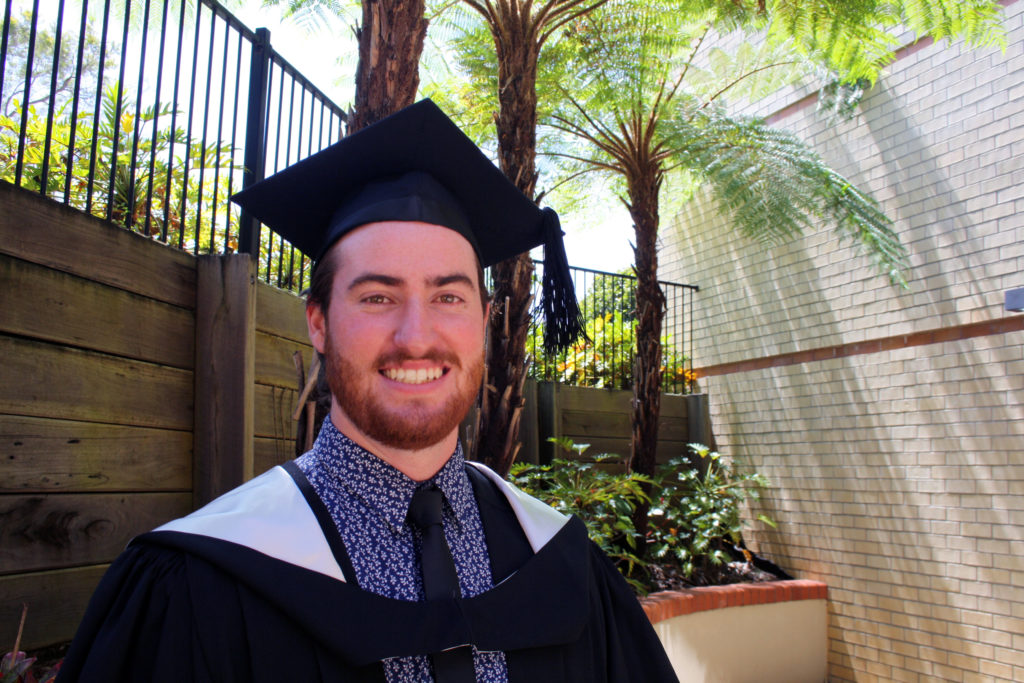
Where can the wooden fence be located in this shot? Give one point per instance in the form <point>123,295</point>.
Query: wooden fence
<point>139,381</point>
<point>112,420</point>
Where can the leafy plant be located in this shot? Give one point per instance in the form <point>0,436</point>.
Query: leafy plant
<point>170,190</point>
<point>598,491</point>
<point>695,511</point>
<point>16,666</point>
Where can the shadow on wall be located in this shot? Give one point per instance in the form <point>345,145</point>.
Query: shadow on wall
<point>884,484</point>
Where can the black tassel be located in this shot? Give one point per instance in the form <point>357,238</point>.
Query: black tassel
<point>563,321</point>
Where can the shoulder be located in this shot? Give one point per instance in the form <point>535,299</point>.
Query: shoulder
<point>270,514</point>
<point>540,522</point>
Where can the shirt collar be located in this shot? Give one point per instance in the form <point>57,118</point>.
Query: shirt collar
<point>384,489</point>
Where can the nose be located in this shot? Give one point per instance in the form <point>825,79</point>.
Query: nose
<point>413,331</point>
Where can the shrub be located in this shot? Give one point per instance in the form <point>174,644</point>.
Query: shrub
<point>695,512</point>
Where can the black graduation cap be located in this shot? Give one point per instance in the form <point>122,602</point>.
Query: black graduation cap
<point>417,165</point>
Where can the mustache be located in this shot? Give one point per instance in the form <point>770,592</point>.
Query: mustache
<point>436,355</point>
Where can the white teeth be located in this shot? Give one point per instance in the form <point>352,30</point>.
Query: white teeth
<point>418,376</point>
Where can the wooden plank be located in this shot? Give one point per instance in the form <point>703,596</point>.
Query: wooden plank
<point>54,306</point>
<point>590,423</point>
<point>274,364</point>
<point>56,602</point>
<point>610,400</point>
<point>43,231</point>
<point>529,436</point>
<point>55,531</point>
<point>281,313</point>
<point>225,372</point>
<point>271,452</point>
<point>273,412</point>
<point>44,455</point>
<point>43,380</point>
<point>620,446</point>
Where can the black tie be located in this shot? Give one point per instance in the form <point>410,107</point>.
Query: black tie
<point>440,582</point>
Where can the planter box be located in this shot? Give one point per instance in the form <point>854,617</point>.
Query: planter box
<point>756,632</point>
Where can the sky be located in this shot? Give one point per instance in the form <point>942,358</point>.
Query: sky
<point>599,240</point>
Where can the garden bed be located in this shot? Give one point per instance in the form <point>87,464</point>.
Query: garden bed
<point>758,632</point>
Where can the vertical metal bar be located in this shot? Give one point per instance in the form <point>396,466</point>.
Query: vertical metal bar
<point>136,131</point>
<point>277,167</point>
<point>234,138</point>
<point>117,113</point>
<point>288,162</point>
<point>153,144</point>
<point>188,132</point>
<point>266,147</point>
<point>693,293</point>
<point>44,172</point>
<point>69,170</point>
<point>29,58</point>
<point>4,38</point>
<point>202,139</point>
<point>98,107</point>
<point>255,141</point>
<point>168,199</point>
<point>220,134</point>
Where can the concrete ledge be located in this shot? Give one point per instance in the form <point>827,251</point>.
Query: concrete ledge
<point>756,632</point>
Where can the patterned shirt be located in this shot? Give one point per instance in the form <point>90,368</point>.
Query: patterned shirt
<point>368,500</point>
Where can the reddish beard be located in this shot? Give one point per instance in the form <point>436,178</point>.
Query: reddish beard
<point>414,425</point>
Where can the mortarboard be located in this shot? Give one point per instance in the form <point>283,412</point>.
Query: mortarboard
<point>417,165</point>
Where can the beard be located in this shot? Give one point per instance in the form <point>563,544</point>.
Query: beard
<point>415,424</point>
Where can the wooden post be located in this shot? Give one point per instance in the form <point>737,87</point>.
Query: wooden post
<point>225,373</point>
<point>549,421</point>
<point>699,418</point>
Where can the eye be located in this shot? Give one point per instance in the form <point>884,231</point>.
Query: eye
<point>374,299</point>
<point>449,299</point>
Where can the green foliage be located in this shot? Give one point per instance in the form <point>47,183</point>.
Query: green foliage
<point>856,38</point>
<point>775,187</point>
<point>603,496</point>
<point>161,195</point>
<point>695,512</point>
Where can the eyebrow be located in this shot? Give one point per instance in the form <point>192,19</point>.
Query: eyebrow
<point>392,281</point>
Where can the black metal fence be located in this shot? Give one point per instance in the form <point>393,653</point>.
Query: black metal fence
<point>152,113</point>
<point>608,303</point>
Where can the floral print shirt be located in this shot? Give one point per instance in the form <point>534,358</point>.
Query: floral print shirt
<point>368,500</point>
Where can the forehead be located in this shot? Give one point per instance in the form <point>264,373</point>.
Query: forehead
<point>404,249</point>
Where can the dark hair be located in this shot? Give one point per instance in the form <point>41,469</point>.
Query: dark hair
<point>322,281</point>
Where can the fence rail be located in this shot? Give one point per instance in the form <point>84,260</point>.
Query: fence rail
<point>608,303</point>
<point>152,113</point>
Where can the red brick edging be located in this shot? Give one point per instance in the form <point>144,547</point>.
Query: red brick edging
<point>667,604</point>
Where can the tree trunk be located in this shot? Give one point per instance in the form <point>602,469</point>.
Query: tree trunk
<point>390,43</point>
<point>650,311</point>
<point>496,442</point>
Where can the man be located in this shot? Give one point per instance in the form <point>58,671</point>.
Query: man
<point>381,554</point>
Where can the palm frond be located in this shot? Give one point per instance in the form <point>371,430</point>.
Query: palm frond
<point>775,187</point>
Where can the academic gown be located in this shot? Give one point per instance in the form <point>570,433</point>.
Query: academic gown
<point>257,586</point>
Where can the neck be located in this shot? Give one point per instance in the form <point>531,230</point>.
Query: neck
<point>419,464</point>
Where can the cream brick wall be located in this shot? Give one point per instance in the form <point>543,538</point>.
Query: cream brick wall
<point>898,476</point>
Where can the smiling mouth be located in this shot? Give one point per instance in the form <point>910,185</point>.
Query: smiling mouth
<point>417,376</point>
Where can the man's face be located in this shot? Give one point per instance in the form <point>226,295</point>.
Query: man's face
<point>403,337</point>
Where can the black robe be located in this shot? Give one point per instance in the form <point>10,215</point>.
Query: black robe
<point>193,602</point>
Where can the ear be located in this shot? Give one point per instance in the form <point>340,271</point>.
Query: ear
<point>316,323</point>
